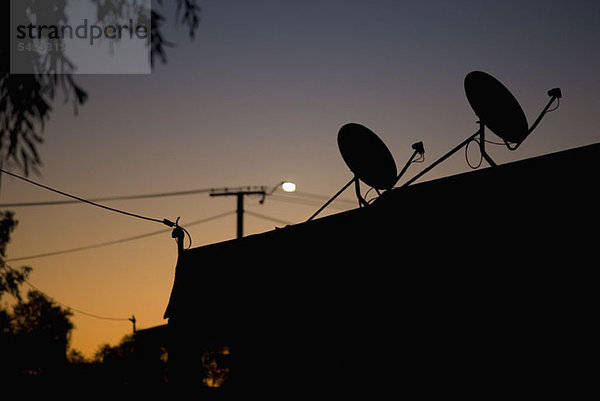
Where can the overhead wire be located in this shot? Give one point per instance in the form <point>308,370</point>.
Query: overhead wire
<point>303,194</point>
<point>80,311</point>
<point>94,202</point>
<point>89,202</point>
<point>297,197</point>
<point>111,198</point>
<point>83,312</point>
<point>304,198</point>
<point>117,241</point>
<point>269,218</point>
<point>302,201</point>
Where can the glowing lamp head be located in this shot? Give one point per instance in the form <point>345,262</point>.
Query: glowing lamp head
<point>288,186</point>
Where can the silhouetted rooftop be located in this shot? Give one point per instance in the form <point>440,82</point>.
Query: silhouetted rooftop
<point>493,251</point>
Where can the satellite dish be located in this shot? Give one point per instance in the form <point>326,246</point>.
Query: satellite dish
<point>370,160</point>
<point>496,107</point>
<point>498,110</point>
<point>367,156</point>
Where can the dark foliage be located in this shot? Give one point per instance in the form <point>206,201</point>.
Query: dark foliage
<point>10,278</point>
<point>34,340</point>
<point>26,100</point>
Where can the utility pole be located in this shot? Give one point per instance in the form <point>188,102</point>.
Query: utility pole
<point>132,320</point>
<point>240,193</point>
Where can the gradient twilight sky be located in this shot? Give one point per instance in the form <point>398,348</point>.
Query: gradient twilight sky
<point>258,97</point>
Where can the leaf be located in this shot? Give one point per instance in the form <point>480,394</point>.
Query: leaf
<point>33,149</point>
<point>25,159</point>
<point>81,94</point>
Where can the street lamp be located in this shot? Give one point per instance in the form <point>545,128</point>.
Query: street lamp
<point>287,186</point>
<point>239,193</point>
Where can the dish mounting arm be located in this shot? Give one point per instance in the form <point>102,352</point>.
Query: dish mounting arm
<point>555,94</point>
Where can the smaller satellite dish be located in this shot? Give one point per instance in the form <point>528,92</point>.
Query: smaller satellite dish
<point>367,156</point>
<point>496,107</point>
<point>370,160</point>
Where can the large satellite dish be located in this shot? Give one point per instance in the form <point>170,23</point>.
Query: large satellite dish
<point>498,110</point>
<point>370,160</point>
<point>496,107</point>
<point>367,156</point>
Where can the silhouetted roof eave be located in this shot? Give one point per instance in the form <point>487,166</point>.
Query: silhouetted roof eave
<point>561,181</point>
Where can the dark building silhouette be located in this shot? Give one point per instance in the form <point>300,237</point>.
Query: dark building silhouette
<point>151,355</point>
<point>478,283</point>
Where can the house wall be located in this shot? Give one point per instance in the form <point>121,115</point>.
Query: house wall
<point>477,281</point>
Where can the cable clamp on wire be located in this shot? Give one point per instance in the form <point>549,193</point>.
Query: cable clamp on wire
<point>179,232</point>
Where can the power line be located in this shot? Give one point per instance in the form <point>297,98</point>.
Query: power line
<point>304,199</point>
<point>305,202</point>
<point>321,197</point>
<point>111,198</point>
<point>115,242</point>
<point>163,221</point>
<point>297,195</point>
<point>269,218</point>
<point>93,315</point>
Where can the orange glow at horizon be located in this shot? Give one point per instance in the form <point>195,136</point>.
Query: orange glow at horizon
<point>258,97</point>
